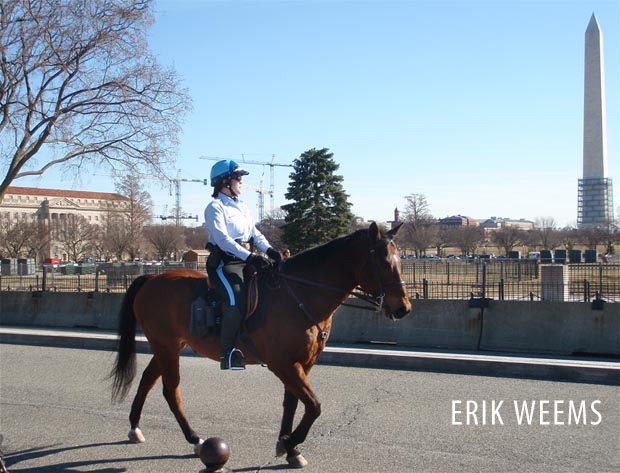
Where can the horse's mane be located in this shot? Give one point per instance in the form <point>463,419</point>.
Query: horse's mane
<point>324,251</point>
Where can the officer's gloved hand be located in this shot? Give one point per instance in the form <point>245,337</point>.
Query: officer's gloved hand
<point>275,255</point>
<point>259,262</point>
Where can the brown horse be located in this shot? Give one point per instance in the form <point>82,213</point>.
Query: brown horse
<point>288,338</point>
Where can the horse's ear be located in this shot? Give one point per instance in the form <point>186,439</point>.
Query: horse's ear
<point>394,230</point>
<point>374,233</point>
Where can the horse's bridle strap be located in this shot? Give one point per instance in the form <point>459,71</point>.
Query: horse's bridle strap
<point>365,297</point>
<point>376,301</point>
<point>305,311</point>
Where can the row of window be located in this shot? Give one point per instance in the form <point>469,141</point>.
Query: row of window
<point>24,215</point>
<point>18,198</point>
<point>35,199</point>
<point>32,216</point>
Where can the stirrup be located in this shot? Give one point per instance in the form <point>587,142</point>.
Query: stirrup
<point>233,361</point>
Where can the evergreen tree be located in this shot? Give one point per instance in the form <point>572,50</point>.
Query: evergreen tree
<point>319,211</point>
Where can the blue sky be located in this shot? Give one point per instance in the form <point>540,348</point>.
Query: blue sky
<point>476,105</point>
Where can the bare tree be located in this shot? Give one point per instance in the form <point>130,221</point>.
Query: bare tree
<point>570,236</point>
<point>467,238</point>
<point>14,237</point>
<point>38,244</point>
<point>135,214</point>
<point>547,233</point>
<point>195,237</point>
<point>417,211</point>
<point>116,237</point>
<point>419,228</point>
<point>164,238</point>
<point>442,237</point>
<point>272,227</point>
<point>114,234</point>
<point>98,244</point>
<point>508,237</point>
<point>426,236</point>
<point>594,236</point>
<point>74,234</point>
<point>79,82</point>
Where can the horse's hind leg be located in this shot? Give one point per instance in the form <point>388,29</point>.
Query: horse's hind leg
<point>170,370</point>
<point>149,377</point>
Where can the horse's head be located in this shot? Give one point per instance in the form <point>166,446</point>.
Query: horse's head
<point>381,275</point>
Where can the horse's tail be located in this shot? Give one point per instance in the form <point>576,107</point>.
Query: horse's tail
<point>124,370</point>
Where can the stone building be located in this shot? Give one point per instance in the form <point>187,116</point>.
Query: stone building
<point>457,221</point>
<point>495,223</point>
<point>53,207</point>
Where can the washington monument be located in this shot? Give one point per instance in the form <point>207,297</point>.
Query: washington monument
<point>595,202</point>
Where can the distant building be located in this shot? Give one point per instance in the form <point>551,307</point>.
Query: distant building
<point>357,220</point>
<point>53,207</point>
<point>396,220</point>
<point>457,221</point>
<point>495,223</point>
<point>196,256</point>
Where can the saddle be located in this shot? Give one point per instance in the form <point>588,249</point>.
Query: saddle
<point>206,307</point>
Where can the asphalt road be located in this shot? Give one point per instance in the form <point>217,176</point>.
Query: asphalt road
<point>56,416</point>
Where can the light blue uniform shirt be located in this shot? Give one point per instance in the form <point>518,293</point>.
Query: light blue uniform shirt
<point>227,220</point>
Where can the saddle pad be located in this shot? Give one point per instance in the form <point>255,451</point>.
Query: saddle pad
<point>202,310</point>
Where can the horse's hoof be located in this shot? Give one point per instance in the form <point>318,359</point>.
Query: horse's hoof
<point>135,436</point>
<point>197,446</point>
<point>280,448</point>
<point>297,461</point>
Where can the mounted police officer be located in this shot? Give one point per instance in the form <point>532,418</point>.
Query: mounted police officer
<point>232,239</point>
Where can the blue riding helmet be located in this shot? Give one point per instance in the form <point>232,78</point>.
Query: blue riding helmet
<point>226,168</point>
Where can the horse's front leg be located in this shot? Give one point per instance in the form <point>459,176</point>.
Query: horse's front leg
<point>288,415</point>
<point>296,384</point>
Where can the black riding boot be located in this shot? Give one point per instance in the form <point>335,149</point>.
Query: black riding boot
<point>231,357</point>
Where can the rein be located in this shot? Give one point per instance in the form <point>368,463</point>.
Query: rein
<point>375,301</point>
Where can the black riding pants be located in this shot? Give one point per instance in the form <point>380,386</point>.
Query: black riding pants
<point>229,282</point>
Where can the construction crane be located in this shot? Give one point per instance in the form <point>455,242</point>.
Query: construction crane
<point>177,185</point>
<point>261,199</point>
<point>261,192</point>
<point>177,217</point>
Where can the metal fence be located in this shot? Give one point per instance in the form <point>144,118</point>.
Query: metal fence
<point>445,279</point>
<point>508,280</point>
<point>105,277</point>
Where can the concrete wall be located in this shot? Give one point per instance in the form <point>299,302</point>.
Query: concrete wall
<point>60,309</point>
<point>561,328</point>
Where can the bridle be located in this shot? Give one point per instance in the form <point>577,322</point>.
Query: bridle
<point>376,301</point>
<point>379,300</point>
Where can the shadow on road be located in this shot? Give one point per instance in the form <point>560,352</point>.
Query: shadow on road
<point>13,460</point>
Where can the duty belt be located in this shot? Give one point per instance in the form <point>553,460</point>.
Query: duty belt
<point>246,244</point>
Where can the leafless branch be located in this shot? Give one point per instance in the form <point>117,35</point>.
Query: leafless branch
<point>78,82</point>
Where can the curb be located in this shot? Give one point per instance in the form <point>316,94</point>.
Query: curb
<point>578,370</point>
